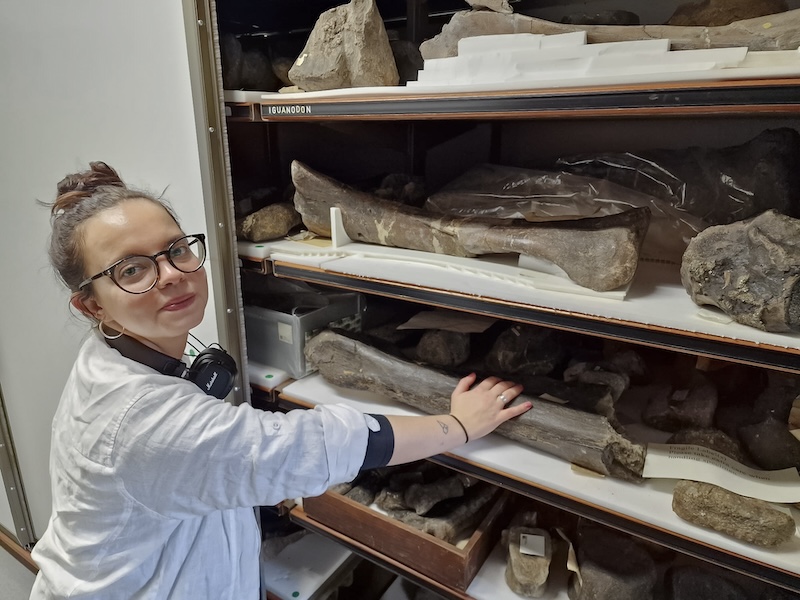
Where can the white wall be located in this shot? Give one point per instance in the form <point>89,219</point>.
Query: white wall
<point>79,81</point>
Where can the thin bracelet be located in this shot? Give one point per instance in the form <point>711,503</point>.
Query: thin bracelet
<point>466,435</point>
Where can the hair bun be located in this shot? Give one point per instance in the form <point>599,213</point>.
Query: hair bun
<point>78,186</point>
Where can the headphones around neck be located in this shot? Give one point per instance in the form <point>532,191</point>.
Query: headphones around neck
<point>213,370</point>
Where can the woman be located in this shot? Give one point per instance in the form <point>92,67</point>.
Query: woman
<point>154,481</point>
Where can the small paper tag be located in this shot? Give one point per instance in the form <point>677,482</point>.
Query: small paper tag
<point>285,333</point>
<point>572,559</point>
<point>531,544</point>
<point>686,461</point>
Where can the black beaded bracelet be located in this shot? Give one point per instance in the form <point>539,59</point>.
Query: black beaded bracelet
<point>466,435</point>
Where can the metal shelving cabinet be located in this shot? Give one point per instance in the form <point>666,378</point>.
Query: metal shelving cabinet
<point>270,127</point>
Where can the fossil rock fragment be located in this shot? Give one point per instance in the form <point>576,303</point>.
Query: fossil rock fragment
<point>784,33</point>
<point>402,188</point>
<point>585,439</point>
<point>423,497</point>
<point>612,565</point>
<point>723,12</point>
<point>603,17</point>
<point>588,374</point>
<point>746,519</point>
<point>627,362</point>
<point>710,438</point>
<point>501,6</point>
<point>599,253</point>
<point>776,399</point>
<point>749,269</point>
<point>230,50</point>
<point>672,409</point>
<point>389,500</point>
<point>454,517</point>
<point>341,488</point>
<point>407,59</point>
<point>526,349</point>
<point>366,487</point>
<point>691,583</point>
<point>245,68</point>
<point>443,348</point>
<point>771,445</point>
<point>594,373</point>
<point>271,222</point>
<point>716,185</point>
<point>348,47</point>
<point>527,574</point>
<point>399,482</point>
<point>589,397</point>
<point>281,66</point>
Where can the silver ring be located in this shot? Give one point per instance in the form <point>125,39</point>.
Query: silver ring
<point>502,398</point>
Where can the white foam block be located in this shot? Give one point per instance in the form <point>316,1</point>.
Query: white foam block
<point>720,57</point>
<point>305,567</point>
<point>507,41</point>
<point>573,38</point>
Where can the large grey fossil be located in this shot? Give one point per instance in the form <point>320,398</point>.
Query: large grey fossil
<point>348,47</point>
<point>599,253</point>
<point>749,269</point>
<point>772,32</point>
<point>747,519</point>
<point>588,440</point>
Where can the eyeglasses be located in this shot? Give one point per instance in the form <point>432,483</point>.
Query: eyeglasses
<point>139,274</point>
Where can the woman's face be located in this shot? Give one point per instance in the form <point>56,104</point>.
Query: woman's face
<point>162,317</point>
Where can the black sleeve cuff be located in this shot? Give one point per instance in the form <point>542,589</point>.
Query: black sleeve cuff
<point>380,444</point>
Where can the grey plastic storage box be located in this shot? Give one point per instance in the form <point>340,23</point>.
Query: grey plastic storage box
<point>277,339</point>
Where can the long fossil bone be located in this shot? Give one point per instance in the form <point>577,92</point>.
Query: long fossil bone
<point>780,31</point>
<point>582,438</point>
<point>599,253</point>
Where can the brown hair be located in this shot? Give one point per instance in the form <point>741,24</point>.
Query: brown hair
<point>80,197</point>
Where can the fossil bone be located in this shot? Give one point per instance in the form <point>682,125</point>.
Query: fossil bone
<point>749,269</point>
<point>457,516</point>
<point>772,32</point>
<point>599,253</point>
<point>585,439</point>
<point>747,519</point>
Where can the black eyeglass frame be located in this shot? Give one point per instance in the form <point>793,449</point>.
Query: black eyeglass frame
<point>109,271</point>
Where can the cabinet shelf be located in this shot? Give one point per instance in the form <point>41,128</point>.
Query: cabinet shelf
<point>489,583</point>
<point>657,313</point>
<point>642,509</point>
<point>299,516</point>
<point>706,98</point>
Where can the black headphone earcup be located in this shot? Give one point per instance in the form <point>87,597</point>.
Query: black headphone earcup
<point>214,371</point>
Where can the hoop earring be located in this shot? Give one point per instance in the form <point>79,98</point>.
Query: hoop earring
<point>110,337</point>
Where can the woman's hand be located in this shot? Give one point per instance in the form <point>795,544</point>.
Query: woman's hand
<point>481,408</point>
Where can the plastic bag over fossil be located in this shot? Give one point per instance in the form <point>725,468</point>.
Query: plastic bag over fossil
<point>507,192</point>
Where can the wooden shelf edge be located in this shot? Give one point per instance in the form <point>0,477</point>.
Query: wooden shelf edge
<point>299,516</point>
<point>706,98</point>
<point>10,545</point>
<point>655,336</point>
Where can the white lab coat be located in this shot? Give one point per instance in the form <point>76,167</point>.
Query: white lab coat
<point>154,482</point>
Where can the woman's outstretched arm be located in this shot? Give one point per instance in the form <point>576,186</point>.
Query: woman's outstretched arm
<point>474,412</point>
